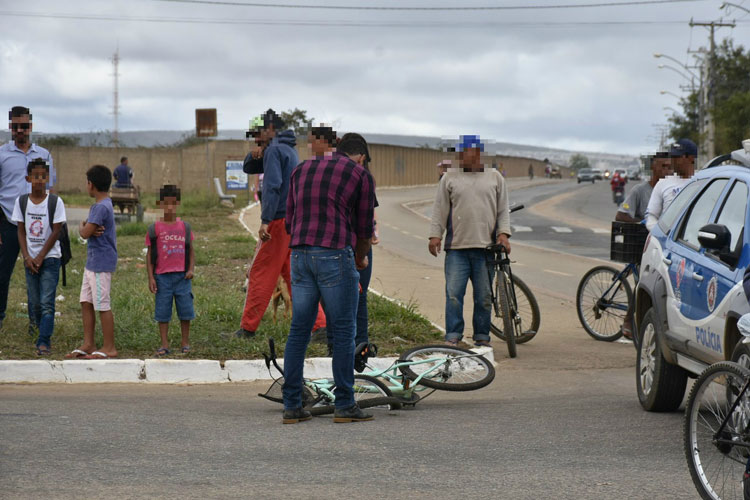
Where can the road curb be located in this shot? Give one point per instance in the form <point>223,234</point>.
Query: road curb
<point>166,371</point>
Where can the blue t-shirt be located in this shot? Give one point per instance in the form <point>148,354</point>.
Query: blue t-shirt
<point>101,255</point>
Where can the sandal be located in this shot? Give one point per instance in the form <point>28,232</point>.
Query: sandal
<point>482,343</point>
<point>43,350</point>
<point>453,342</point>
<point>161,352</point>
<point>185,349</point>
<point>77,354</point>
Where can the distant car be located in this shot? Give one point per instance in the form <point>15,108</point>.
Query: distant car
<point>586,175</point>
<point>554,172</point>
<point>598,174</point>
<point>634,173</point>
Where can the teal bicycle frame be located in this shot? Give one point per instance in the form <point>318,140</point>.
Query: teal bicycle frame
<point>399,385</point>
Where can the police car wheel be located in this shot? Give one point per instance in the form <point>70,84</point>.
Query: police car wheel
<point>741,355</point>
<point>660,385</point>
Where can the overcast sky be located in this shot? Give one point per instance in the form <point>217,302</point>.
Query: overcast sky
<point>576,78</point>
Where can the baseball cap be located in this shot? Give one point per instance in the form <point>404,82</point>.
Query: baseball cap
<point>256,124</point>
<point>683,147</point>
<point>468,142</point>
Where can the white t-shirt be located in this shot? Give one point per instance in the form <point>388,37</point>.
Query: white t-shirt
<point>38,228</point>
<point>664,193</point>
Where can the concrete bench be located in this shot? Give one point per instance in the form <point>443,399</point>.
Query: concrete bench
<point>220,192</point>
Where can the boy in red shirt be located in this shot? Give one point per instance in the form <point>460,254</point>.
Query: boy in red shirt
<point>170,262</point>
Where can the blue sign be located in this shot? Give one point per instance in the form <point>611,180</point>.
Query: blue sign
<point>236,178</point>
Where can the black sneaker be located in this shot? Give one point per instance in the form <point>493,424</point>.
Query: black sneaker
<point>351,414</point>
<point>244,334</point>
<point>295,416</point>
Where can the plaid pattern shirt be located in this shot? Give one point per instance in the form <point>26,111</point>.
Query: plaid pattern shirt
<point>330,203</point>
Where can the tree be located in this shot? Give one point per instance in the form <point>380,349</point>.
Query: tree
<point>297,120</point>
<point>730,88</point>
<point>578,161</point>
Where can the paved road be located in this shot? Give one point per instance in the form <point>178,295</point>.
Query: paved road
<point>529,435</point>
<point>560,421</point>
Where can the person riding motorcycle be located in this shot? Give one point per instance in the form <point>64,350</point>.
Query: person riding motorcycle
<point>618,188</point>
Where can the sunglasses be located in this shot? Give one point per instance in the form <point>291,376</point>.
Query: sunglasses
<point>22,126</point>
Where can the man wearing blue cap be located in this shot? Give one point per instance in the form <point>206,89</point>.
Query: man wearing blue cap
<point>471,209</point>
<point>683,154</point>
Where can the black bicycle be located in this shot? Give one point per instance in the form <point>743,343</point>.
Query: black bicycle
<point>514,306</point>
<point>717,432</point>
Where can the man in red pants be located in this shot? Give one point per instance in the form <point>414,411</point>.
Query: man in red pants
<point>273,252</point>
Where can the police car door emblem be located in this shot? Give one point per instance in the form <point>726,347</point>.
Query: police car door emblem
<point>680,273</point>
<point>711,294</point>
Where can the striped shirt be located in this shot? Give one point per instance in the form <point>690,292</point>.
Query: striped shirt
<point>330,203</point>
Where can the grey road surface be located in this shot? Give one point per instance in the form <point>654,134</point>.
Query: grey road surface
<point>531,434</point>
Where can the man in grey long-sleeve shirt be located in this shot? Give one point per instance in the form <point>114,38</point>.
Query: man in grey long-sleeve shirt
<point>471,209</point>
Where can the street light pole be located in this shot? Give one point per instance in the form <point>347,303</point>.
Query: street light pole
<point>663,92</point>
<point>690,79</point>
<point>685,66</point>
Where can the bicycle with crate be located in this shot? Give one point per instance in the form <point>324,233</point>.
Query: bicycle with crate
<point>604,298</point>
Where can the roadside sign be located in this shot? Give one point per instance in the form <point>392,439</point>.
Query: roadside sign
<point>236,178</point>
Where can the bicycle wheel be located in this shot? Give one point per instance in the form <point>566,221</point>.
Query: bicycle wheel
<point>502,293</point>
<point>369,392</point>
<point>602,316</point>
<point>455,369</point>
<point>367,387</point>
<point>528,314</point>
<point>717,464</point>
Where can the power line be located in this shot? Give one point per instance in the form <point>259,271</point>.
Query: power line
<point>434,9</point>
<point>339,23</point>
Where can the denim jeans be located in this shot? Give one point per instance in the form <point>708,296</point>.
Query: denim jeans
<point>41,289</point>
<point>331,275</point>
<point>362,318</point>
<point>460,267</point>
<point>8,254</point>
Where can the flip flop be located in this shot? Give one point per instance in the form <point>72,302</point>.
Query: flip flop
<point>161,352</point>
<point>185,349</point>
<point>77,354</point>
<point>43,350</point>
<point>98,355</point>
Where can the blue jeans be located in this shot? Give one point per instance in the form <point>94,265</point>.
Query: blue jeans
<point>171,286</point>
<point>364,281</point>
<point>41,289</point>
<point>331,275</point>
<point>8,254</point>
<point>460,267</point>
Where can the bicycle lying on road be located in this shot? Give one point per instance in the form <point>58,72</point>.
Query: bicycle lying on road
<point>514,306</point>
<point>402,383</point>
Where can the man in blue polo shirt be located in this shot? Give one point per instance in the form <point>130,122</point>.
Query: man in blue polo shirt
<point>14,156</point>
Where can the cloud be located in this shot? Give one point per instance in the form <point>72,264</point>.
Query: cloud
<point>570,86</point>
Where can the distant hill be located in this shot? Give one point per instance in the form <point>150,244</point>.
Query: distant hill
<point>157,138</point>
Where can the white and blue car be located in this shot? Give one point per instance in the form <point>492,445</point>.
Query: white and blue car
<point>690,294</point>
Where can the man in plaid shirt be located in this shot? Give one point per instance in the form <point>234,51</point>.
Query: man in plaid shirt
<point>329,216</point>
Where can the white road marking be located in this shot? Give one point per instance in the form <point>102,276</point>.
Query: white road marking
<point>559,229</point>
<point>407,233</point>
<point>556,272</point>
<point>599,230</point>
<point>521,229</point>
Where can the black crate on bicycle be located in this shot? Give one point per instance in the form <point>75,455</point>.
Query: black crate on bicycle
<point>627,242</point>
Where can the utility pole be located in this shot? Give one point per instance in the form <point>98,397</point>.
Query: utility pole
<point>706,96</point>
<point>116,96</point>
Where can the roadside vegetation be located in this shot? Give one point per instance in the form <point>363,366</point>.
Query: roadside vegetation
<point>222,248</point>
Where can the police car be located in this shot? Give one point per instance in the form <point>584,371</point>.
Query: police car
<point>690,295</point>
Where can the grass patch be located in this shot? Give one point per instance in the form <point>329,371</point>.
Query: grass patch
<point>222,249</point>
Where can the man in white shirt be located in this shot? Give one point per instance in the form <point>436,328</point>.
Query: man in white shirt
<point>683,154</point>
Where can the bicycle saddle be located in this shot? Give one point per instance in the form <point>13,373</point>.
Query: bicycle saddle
<point>362,353</point>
